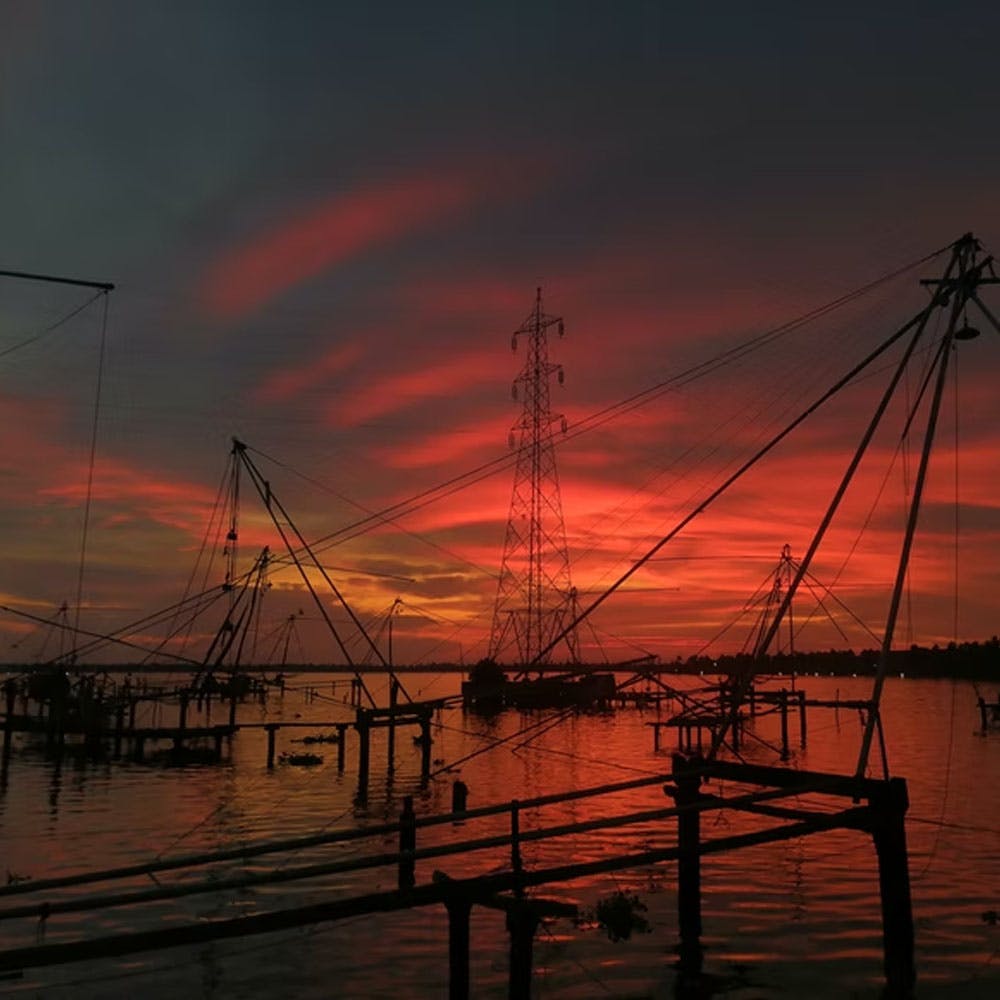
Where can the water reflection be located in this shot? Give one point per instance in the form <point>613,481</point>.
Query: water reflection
<point>778,920</point>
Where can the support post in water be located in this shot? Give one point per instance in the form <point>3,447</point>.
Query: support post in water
<point>364,752</point>
<point>888,830</point>
<point>522,922</point>
<point>271,727</point>
<point>459,910</point>
<point>783,705</point>
<point>341,741</point>
<point>393,698</point>
<point>407,845</point>
<point>425,747</point>
<point>686,793</point>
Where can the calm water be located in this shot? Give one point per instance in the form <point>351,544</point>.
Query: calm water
<point>786,920</point>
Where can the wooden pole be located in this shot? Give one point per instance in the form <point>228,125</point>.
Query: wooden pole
<point>407,845</point>
<point>364,752</point>
<point>425,747</point>
<point>459,910</point>
<point>341,740</point>
<point>522,921</point>
<point>393,697</point>
<point>889,833</point>
<point>686,795</point>
<point>783,706</point>
<point>271,727</point>
<point>802,717</point>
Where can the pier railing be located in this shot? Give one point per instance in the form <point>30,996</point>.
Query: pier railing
<point>877,808</point>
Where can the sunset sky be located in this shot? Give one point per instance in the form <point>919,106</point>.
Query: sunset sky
<point>325,220</point>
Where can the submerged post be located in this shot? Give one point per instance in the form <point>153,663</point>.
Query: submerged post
<point>271,727</point>
<point>522,922</point>
<point>459,910</point>
<point>341,740</point>
<point>686,793</point>
<point>888,829</point>
<point>393,698</point>
<point>364,752</point>
<point>783,705</point>
<point>407,844</point>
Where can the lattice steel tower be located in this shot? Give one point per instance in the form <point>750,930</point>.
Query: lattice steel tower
<point>535,598</point>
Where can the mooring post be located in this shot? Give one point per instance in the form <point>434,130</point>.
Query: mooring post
<point>10,693</point>
<point>407,844</point>
<point>459,796</point>
<point>984,719</point>
<point>119,727</point>
<point>783,705</point>
<point>888,811</point>
<point>686,793</point>
<point>802,717</point>
<point>232,705</point>
<point>181,721</point>
<point>515,843</point>
<point>393,697</point>
<point>656,736</point>
<point>425,747</point>
<point>364,752</point>
<point>271,728</point>
<point>459,909</point>
<point>341,741</point>
<point>522,922</point>
<point>218,743</point>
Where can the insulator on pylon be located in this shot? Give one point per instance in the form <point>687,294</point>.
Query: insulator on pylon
<point>562,376</point>
<point>510,440</point>
<point>513,390</point>
<point>565,426</point>
<point>513,342</point>
<point>561,330</point>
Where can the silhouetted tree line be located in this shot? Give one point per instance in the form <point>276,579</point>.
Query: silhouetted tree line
<point>978,661</point>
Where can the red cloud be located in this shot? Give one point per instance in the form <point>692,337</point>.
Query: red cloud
<point>290,382</point>
<point>396,392</point>
<point>330,233</point>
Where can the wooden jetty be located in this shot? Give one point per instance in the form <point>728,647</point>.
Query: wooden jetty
<point>875,808</point>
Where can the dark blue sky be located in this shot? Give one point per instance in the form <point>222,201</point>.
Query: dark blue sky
<point>308,207</point>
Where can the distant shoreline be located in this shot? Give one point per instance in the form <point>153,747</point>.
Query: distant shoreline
<point>974,661</point>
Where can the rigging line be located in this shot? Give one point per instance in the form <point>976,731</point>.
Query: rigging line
<point>93,635</point>
<point>811,579</point>
<point>744,467</point>
<point>320,485</point>
<point>461,481</point>
<point>811,583</point>
<point>33,338</point>
<point>90,464</point>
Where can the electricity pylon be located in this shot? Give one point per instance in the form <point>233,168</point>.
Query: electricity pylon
<point>535,595</point>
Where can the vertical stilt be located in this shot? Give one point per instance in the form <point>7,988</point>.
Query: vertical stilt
<point>393,696</point>
<point>783,706</point>
<point>889,834</point>
<point>407,844</point>
<point>522,922</point>
<point>10,693</point>
<point>686,795</point>
<point>341,741</point>
<point>271,727</point>
<point>364,752</point>
<point>802,717</point>
<point>119,727</point>
<point>459,910</point>
<point>425,747</point>
<point>459,796</point>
